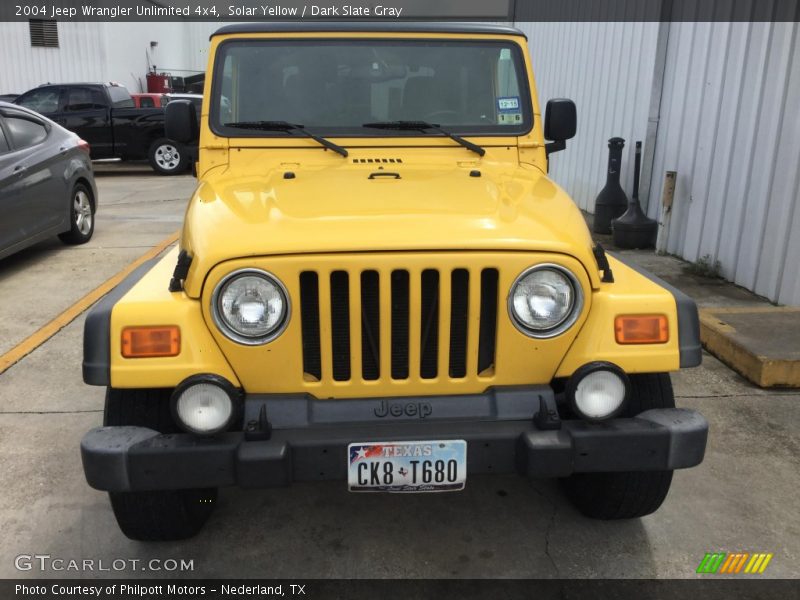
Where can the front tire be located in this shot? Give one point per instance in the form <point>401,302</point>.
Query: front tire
<point>167,158</point>
<point>162,515</point>
<point>632,494</point>
<point>81,216</point>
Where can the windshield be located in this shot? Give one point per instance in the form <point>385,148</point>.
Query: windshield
<point>335,87</point>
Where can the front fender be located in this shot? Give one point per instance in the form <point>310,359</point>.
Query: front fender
<point>635,291</point>
<point>143,298</point>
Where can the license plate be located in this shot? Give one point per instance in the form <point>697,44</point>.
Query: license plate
<point>434,466</point>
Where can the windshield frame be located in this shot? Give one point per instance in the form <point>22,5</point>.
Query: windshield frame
<point>499,131</point>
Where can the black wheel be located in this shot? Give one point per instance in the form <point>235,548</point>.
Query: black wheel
<point>167,157</point>
<point>626,495</point>
<point>81,216</point>
<point>157,515</point>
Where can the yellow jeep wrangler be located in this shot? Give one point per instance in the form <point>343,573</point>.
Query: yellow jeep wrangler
<point>377,283</point>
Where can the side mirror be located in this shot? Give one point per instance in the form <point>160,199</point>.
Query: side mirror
<point>180,121</point>
<point>560,123</point>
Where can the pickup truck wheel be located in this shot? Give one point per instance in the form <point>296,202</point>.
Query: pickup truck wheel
<point>626,495</point>
<point>158,515</point>
<point>167,157</point>
<point>81,216</point>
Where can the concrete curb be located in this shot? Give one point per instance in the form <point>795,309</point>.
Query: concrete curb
<point>777,368</point>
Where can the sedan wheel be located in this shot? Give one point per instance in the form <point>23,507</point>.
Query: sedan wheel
<point>81,216</point>
<point>82,210</point>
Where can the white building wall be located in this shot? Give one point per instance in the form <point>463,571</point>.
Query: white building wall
<point>79,57</point>
<point>607,69</point>
<point>728,122</point>
<point>182,49</point>
<point>112,51</point>
<point>730,128</point>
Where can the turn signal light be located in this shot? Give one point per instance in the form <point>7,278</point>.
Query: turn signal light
<point>150,342</point>
<point>641,329</point>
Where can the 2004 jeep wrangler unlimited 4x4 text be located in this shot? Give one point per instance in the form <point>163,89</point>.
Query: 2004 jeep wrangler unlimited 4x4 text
<point>377,282</point>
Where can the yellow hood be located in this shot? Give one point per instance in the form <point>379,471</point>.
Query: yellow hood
<point>336,207</point>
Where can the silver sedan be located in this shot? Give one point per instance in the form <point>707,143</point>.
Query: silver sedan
<point>47,185</point>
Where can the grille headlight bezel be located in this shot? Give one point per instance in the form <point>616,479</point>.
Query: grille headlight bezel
<point>566,322</point>
<point>227,329</point>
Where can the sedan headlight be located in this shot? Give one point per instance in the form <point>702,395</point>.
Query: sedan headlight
<point>250,306</point>
<point>545,301</point>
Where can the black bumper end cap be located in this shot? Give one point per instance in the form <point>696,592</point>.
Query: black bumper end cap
<point>688,435</point>
<point>104,453</point>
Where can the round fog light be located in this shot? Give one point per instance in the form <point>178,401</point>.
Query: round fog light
<point>598,391</point>
<point>203,406</point>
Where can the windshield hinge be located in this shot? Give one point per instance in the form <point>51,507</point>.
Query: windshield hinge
<point>181,272</point>
<point>602,264</point>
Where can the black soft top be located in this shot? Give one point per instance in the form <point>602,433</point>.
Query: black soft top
<point>367,26</point>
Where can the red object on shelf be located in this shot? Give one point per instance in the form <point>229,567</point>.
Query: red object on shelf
<point>158,83</point>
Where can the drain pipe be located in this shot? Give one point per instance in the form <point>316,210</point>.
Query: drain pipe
<point>654,113</point>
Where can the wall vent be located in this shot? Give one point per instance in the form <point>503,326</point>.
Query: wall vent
<point>44,33</point>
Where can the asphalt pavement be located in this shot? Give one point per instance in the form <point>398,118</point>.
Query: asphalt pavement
<point>742,498</point>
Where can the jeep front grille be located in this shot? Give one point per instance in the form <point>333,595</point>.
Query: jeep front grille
<point>430,321</point>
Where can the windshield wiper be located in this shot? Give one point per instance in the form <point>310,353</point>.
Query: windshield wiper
<point>422,126</point>
<point>285,126</point>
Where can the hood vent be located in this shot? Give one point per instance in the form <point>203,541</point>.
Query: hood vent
<point>377,160</point>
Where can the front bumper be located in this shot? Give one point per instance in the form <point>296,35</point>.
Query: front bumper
<point>308,440</point>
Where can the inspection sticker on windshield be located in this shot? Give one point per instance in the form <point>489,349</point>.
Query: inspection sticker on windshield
<point>508,111</point>
<point>508,104</point>
<point>431,466</point>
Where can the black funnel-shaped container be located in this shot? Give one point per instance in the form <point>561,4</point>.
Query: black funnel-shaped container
<point>611,202</point>
<point>633,229</point>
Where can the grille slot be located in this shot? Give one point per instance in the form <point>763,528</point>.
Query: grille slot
<point>369,335</point>
<point>370,326</point>
<point>340,325</point>
<point>487,337</point>
<point>309,313</point>
<point>459,312</point>
<point>400,325</point>
<point>429,331</point>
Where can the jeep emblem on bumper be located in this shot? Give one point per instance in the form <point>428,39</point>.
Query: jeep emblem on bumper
<point>398,409</point>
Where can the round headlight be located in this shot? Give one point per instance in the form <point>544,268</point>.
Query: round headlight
<point>545,300</point>
<point>203,407</point>
<point>598,391</point>
<point>250,306</point>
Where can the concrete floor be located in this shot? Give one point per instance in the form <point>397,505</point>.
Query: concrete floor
<point>742,498</point>
<point>137,209</point>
